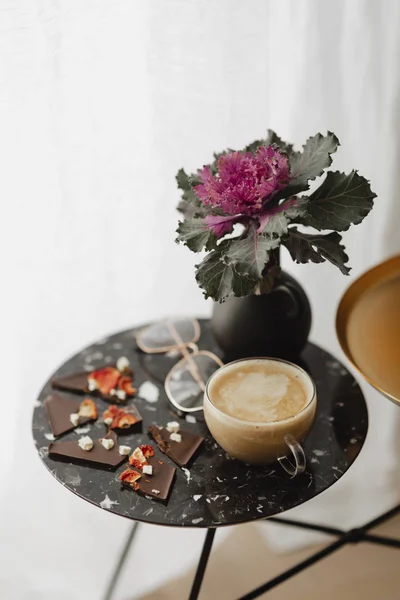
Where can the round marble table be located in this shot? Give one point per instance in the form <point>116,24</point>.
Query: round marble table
<point>215,490</point>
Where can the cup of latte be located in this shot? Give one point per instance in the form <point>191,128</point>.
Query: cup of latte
<point>260,410</point>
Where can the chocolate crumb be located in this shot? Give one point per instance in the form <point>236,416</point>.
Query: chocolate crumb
<point>158,438</point>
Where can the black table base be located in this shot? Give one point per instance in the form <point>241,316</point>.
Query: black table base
<point>352,536</point>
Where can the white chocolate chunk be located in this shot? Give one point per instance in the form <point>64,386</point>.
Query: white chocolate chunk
<point>175,437</point>
<point>107,443</point>
<point>173,427</point>
<point>147,470</point>
<point>92,384</point>
<point>86,443</point>
<point>74,418</point>
<point>123,364</point>
<point>124,450</point>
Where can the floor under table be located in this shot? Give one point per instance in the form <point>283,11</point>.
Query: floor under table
<point>243,561</point>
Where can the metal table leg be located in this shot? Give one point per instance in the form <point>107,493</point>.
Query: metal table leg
<point>305,525</point>
<point>121,561</point>
<point>201,567</point>
<point>353,536</point>
<point>383,541</point>
<point>311,560</point>
<point>345,537</point>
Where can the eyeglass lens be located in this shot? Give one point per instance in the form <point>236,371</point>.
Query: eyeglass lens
<point>182,385</point>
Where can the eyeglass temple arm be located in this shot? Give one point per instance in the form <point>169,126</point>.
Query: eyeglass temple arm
<point>187,355</point>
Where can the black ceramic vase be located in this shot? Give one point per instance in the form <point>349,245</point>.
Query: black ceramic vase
<point>273,324</point>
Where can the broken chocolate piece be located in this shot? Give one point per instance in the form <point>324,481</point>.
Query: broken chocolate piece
<point>59,411</point>
<point>180,452</point>
<point>157,485</point>
<point>102,382</point>
<point>97,456</point>
<point>77,382</point>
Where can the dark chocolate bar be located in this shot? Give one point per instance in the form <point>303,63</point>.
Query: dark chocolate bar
<point>58,411</point>
<point>157,485</point>
<point>78,383</point>
<point>98,455</point>
<point>180,452</point>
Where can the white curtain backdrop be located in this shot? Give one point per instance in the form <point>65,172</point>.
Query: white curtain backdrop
<point>101,101</point>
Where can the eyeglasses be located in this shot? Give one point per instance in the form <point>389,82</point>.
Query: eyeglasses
<point>186,381</point>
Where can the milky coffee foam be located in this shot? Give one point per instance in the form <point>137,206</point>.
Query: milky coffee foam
<point>260,390</point>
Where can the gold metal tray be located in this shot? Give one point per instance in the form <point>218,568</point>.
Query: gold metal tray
<point>368,326</point>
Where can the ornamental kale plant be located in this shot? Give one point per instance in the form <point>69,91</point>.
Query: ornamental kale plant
<point>261,188</point>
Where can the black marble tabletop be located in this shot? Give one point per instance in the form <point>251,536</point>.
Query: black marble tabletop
<point>214,490</point>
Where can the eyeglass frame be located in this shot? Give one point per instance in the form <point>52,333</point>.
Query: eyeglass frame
<point>181,346</point>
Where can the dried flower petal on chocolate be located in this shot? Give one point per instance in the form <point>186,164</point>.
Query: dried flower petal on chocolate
<point>135,463</point>
<point>125,385</point>
<point>123,421</point>
<point>111,413</point>
<point>106,379</point>
<point>88,409</point>
<point>130,477</point>
<point>120,419</point>
<point>147,450</point>
<point>137,459</point>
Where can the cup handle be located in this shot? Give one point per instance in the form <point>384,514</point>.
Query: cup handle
<point>298,455</point>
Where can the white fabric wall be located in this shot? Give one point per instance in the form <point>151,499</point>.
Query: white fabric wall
<point>101,101</point>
